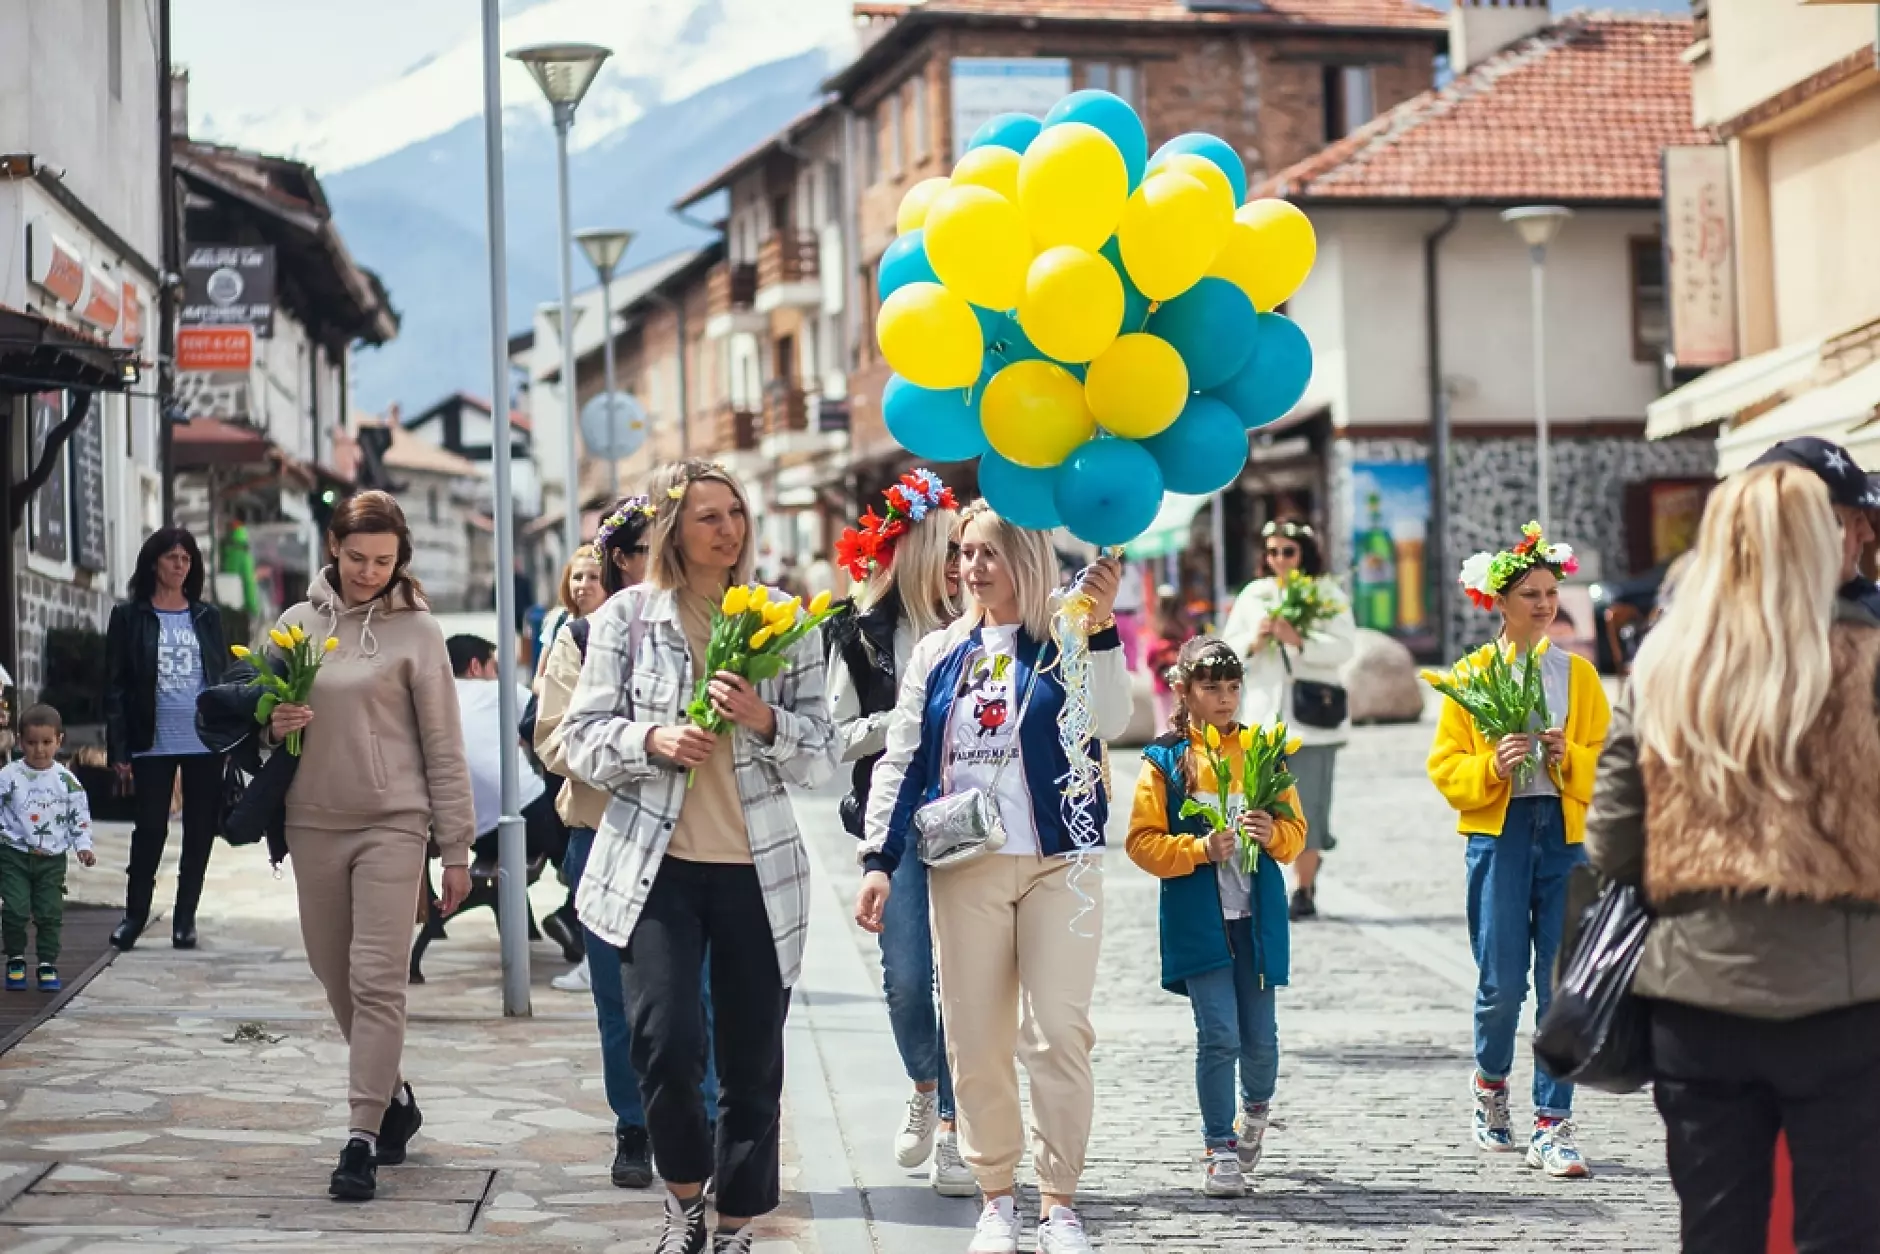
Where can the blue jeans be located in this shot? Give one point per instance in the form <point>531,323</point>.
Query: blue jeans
<point>610,1007</point>
<point>1517,910</point>
<point>907,978</point>
<point>1236,1021</point>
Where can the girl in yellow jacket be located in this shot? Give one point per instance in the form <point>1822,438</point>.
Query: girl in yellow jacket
<point>1524,830</point>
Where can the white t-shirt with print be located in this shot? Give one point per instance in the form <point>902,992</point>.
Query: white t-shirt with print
<point>981,733</point>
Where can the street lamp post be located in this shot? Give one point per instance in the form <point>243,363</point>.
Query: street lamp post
<point>1537,225</point>
<point>604,249</point>
<point>564,72</point>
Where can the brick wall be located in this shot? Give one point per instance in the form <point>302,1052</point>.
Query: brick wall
<point>43,603</point>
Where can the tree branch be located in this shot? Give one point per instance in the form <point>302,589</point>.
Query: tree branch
<point>56,439</point>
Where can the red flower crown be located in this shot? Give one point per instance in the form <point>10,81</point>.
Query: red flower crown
<point>864,548</point>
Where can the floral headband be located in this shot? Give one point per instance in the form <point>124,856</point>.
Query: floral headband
<point>863,548</point>
<point>1215,663</point>
<point>1487,575</point>
<point>1291,530</point>
<point>633,507</point>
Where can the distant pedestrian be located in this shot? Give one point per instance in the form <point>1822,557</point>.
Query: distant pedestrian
<point>1740,787</point>
<point>1855,495</point>
<point>1223,929</point>
<point>162,648</point>
<point>44,816</point>
<point>1164,647</point>
<point>1524,834</point>
<point>1282,666</point>
<point>381,769</point>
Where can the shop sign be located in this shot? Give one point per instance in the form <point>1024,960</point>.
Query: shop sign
<point>131,332</point>
<point>228,350</point>
<point>102,294</point>
<point>56,266</point>
<point>229,285</point>
<point>1700,253</point>
<point>984,87</point>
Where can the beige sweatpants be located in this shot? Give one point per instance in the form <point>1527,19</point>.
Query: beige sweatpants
<point>358,894</point>
<point>1016,978</point>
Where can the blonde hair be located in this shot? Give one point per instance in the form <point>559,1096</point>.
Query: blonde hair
<point>1028,558</point>
<point>1737,671</point>
<point>668,487</point>
<point>919,570</point>
<point>564,592</point>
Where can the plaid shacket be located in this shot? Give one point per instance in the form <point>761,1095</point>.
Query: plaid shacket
<point>619,700</point>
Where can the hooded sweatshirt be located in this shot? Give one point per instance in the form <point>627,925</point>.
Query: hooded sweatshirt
<point>385,749</point>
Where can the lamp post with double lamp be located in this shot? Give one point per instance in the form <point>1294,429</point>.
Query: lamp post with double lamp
<point>564,72</point>
<point>1537,225</point>
<point>604,249</point>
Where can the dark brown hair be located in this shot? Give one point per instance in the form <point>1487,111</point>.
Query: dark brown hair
<point>1202,658</point>
<point>42,716</point>
<point>1311,560</point>
<point>374,513</point>
<point>160,542</point>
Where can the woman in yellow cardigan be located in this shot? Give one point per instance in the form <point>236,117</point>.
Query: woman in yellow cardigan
<point>1524,830</point>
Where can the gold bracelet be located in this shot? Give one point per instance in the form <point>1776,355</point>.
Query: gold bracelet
<point>1105,625</point>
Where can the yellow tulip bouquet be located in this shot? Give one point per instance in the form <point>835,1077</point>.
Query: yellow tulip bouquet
<point>1500,700</point>
<point>1264,781</point>
<point>751,636</point>
<point>303,657</point>
<point>1305,602</point>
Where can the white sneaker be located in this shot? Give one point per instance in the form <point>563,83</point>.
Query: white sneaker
<point>1062,1232</point>
<point>1223,1178</point>
<point>997,1232</point>
<point>575,981</point>
<point>1250,1128</point>
<point>914,1141</point>
<point>950,1176</point>
<point>1555,1151</point>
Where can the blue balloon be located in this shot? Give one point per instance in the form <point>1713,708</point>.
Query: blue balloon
<point>1213,326</point>
<point>1210,148</point>
<point>1006,341</point>
<point>1135,304</point>
<point>905,262</point>
<point>1274,378</point>
<point>1112,115</point>
<point>1108,491</point>
<point>1019,494</point>
<point>1007,130</point>
<point>937,426</point>
<point>1203,450</point>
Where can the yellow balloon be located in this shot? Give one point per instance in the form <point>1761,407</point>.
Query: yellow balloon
<point>992,167</point>
<point>914,206</point>
<point>1034,414</point>
<point>1211,175</point>
<point>1171,233</point>
<point>1137,388</point>
<point>931,337</point>
<point>1073,304</point>
<point>1269,252</point>
<point>977,244</point>
<point>1072,185</point>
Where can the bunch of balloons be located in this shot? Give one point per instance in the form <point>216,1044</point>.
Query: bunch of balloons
<point>1091,322</point>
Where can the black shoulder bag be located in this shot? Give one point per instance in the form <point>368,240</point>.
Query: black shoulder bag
<point>1324,706</point>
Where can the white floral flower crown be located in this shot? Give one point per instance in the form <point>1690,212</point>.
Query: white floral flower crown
<point>1487,575</point>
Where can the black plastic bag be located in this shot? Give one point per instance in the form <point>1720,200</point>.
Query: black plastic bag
<point>254,789</point>
<point>1595,1031</point>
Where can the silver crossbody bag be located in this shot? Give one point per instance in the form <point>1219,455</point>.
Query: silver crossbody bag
<point>964,826</point>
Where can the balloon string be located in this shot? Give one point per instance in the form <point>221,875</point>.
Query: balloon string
<point>1153,306</point>
<point>1082,781</point>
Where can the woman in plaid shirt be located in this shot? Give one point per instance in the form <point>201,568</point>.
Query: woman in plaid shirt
<point>719,866</point>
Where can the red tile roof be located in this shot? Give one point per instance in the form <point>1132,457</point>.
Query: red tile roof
<point>1578,112</point>
<point>1369,14</point>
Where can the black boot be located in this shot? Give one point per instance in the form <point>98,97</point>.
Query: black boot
<point>565,930</point>
<point>183,919</point>
<point>633,1159</point>
<point>401,1123</point>
<point>183,931</point>
<point>1304,906</point>
<point>124,935</point>
<point>136,916</point>
<point>356,1178</point>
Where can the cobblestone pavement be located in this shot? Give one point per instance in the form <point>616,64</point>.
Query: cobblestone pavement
<point>1370,1150</point>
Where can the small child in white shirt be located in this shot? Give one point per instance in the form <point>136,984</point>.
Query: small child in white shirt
<point>44,815</point>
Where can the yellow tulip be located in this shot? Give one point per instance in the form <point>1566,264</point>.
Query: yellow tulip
<point>760,596</point>
<point>298,635</point>
<point>1540,650</point>
<point>332,643</point>
<point>1430,677</point>
<point>1246,739</point>
<point>761,637</point>
<point>1293,746</point>
<point>1213,737</point>
<point>737,600</point>
<point>821,604</point>
<point>280,638</point>
<point>239,650</point>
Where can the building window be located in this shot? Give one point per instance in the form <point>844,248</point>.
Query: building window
<point>1349,100</point>
<point>1651,317</point>
<point>114,46</point>
<point>923,142</point>
<point>832,191</point>
<point>1120,78</point>
<point>436,514</point>
<point>871,152</point>
<point>897,136</point>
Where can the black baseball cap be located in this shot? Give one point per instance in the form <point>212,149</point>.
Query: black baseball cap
<point>1848,484</point>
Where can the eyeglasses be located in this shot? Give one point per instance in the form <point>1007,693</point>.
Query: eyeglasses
<point>1285,552</point>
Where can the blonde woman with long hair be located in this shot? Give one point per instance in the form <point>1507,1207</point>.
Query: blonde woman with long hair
<point>909,563</point>
<point>1016,931</point>
<point>1740,787</point>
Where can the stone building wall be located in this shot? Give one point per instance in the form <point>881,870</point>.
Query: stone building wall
<point>41,604</point>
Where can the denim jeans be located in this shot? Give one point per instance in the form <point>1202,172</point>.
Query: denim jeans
<point>1236,1021</point>
<point>610,1007</point>
<point>907,978</point>
<point>1517,910</point>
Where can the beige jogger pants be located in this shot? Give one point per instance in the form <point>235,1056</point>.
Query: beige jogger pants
<point>358,895</point>
<point>1017,977</point>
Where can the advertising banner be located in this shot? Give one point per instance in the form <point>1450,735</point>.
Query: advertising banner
<point>1390,525</point>
<point>229,285</point>
<point>1700,252</point>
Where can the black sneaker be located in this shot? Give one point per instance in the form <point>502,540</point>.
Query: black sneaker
<point>739,1242</point>
<point>564,930</point>
<point>1303,905</point>
<point>401,1123</point>
<point>356,1178</point>
<point>633,1159</point>
<point>685,1227</point>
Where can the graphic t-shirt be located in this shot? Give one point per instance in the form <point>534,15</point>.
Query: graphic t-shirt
<point>982,732</point>
<point>179,679</point>
<point>44,812</point>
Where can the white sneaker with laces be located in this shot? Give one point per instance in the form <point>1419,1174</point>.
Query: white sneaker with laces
<point>575,981</point>
<point>914,1141</point>
<point>1493,1128</point>
<point>1554,1150</point>
<point>1223,1178</point>
<point>997,1232</point>
<point>950,1176</point>
<point>1062,1232</point>
<point>1250,1128</point>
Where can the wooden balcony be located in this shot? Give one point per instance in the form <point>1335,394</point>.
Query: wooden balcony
<point>731,286</point>
<point>734,429</point>
<point>787,272</point>
<point>786,409</point>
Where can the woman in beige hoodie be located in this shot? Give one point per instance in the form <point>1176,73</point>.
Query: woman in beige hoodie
<point>381,769</point>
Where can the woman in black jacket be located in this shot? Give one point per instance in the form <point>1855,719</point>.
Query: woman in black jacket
<point>163,647</point>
